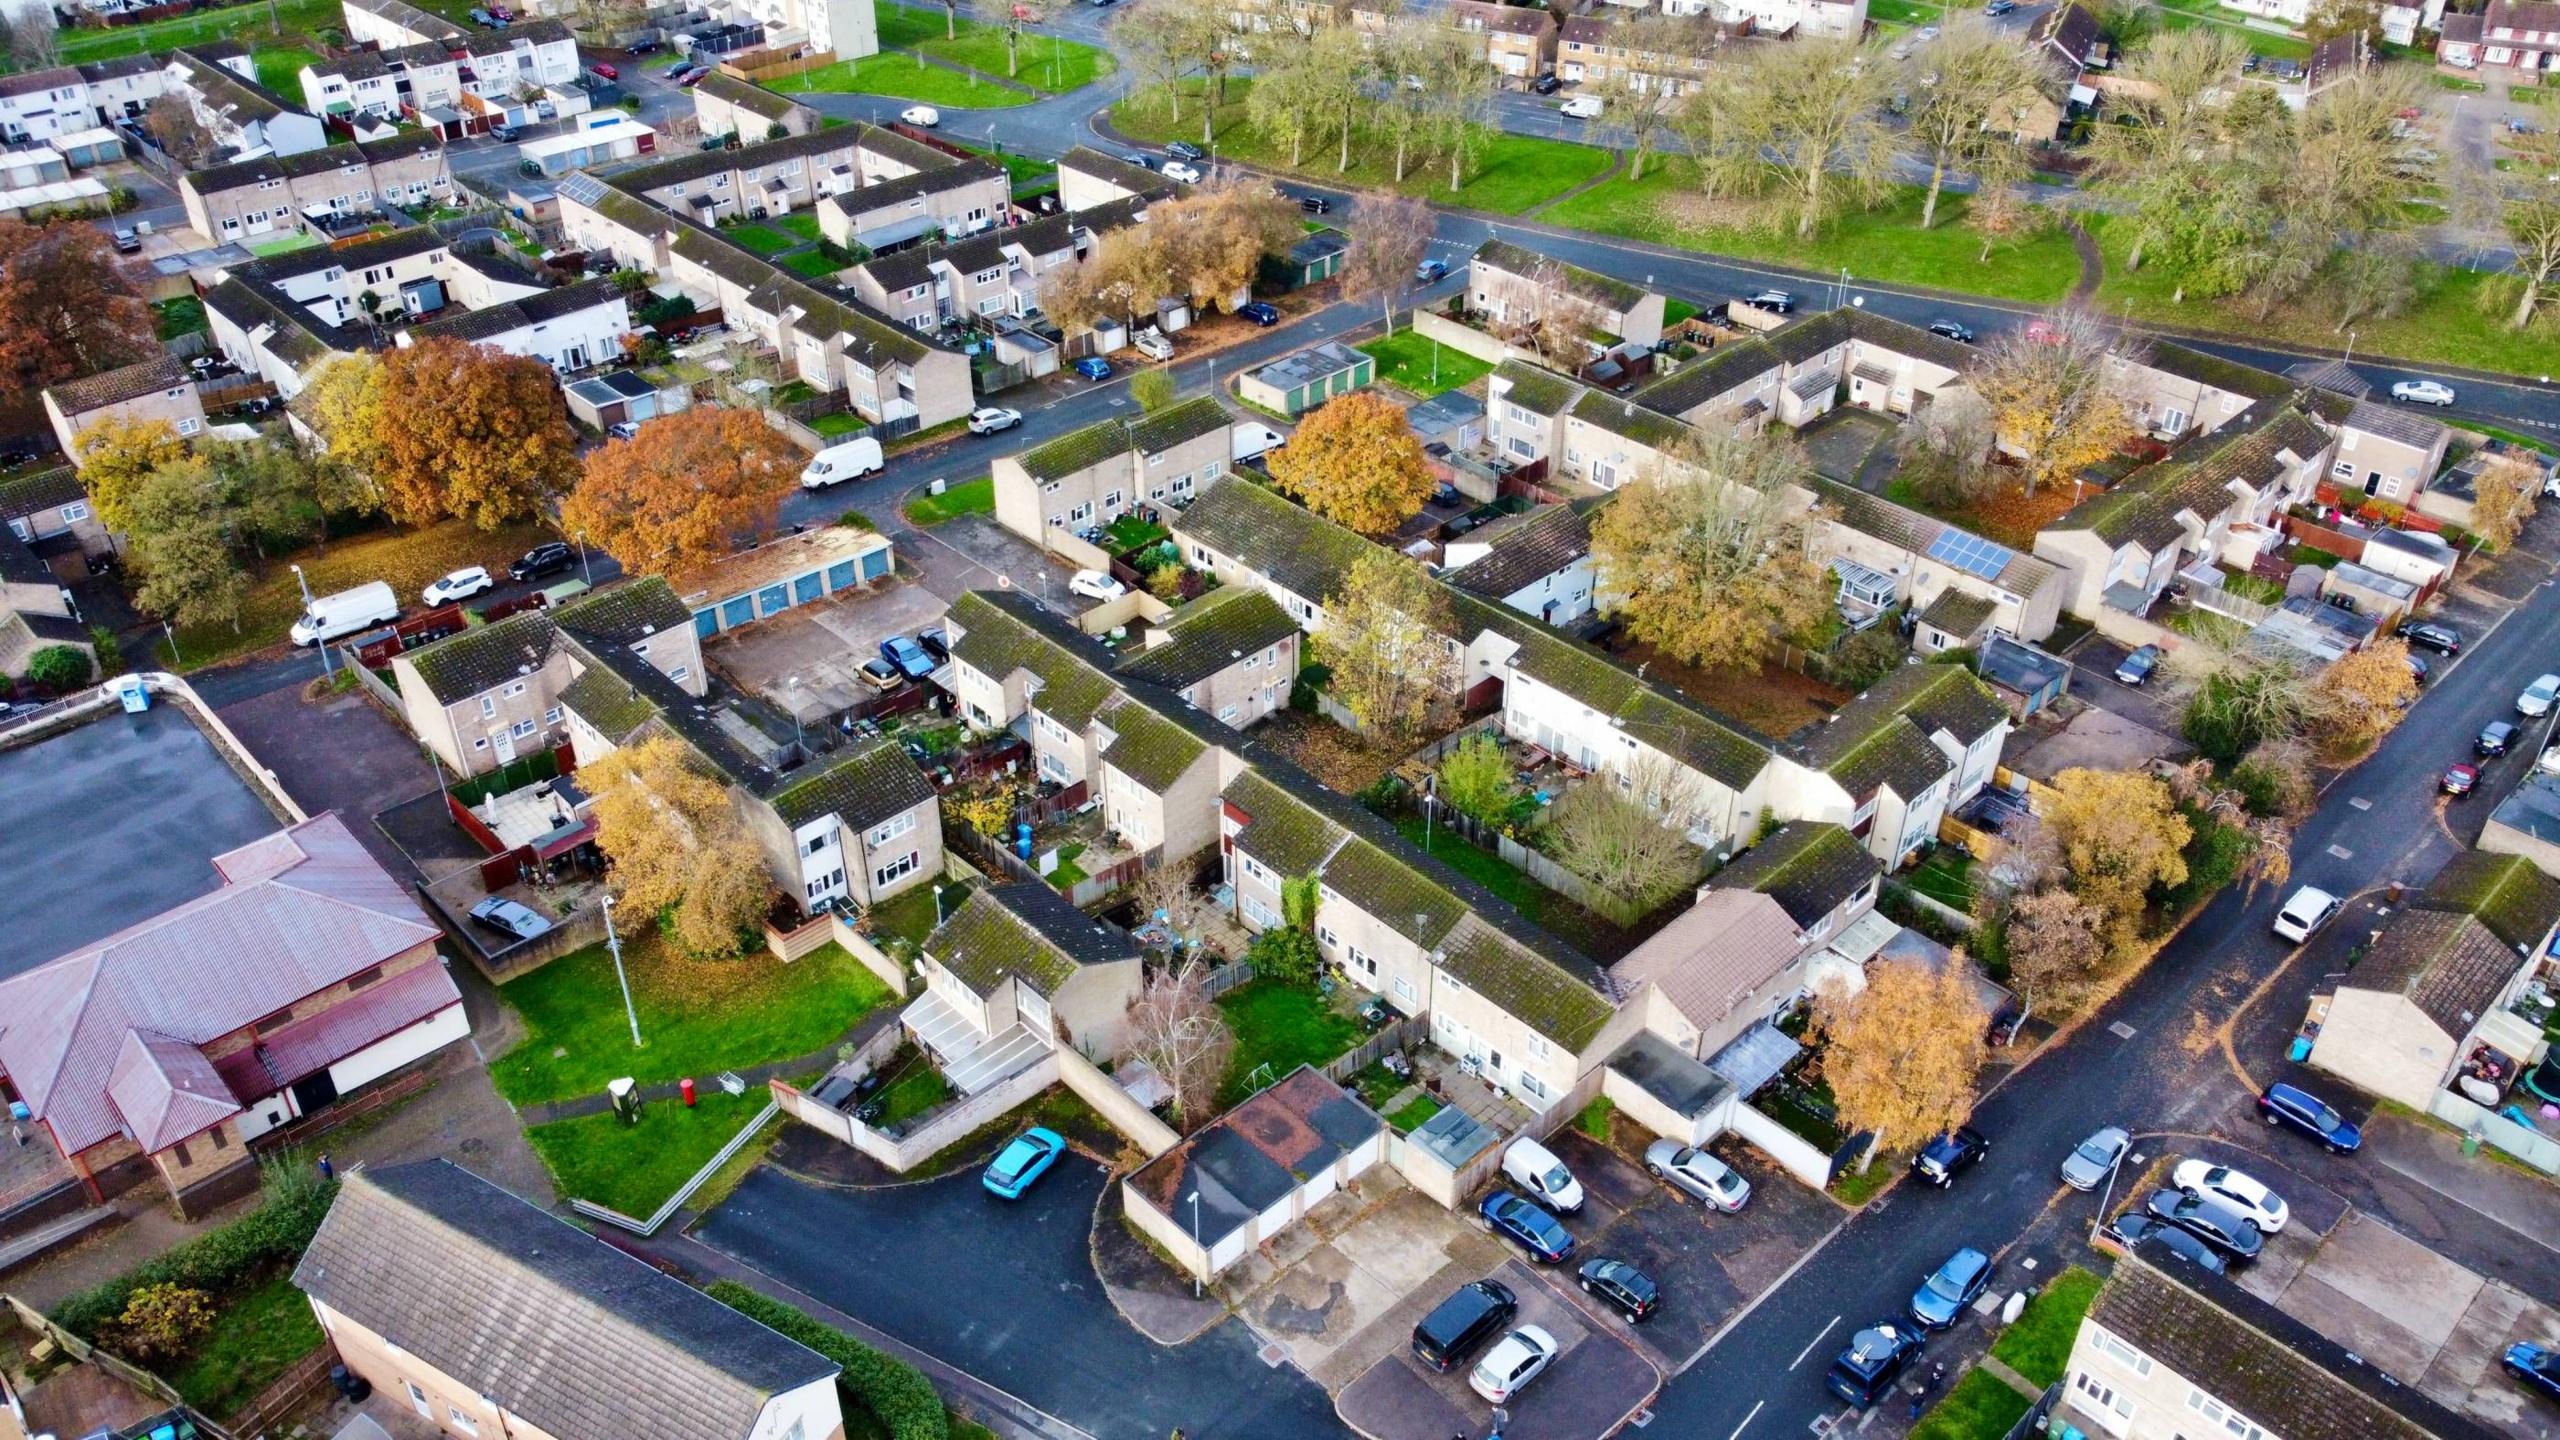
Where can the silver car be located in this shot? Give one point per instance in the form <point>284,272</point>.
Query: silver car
<point>2088,1167</point>
<point>1699,1173</point>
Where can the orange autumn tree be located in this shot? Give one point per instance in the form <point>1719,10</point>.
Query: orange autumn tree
<point>685,491</point>
<point>465,431</point>
<point>1356,463</point>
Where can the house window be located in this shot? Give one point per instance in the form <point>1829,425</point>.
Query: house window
<point>893,829</point>
<point>479,744</point>
<point>903,865</point>
<point>1539,1049</point>
<point>1326,937</point>
<point>2118,1351</point>
<point>74,511</point>
<point>462,1422</point>
<point>551,716</point>
<point>1111,501</point>
<point>371,975</point>
<point>513,690</point>
<point>522,728</point>
<point>1365,964</point>
<point>1253,869</point>
<point>2218,1414</point>
<point>1529,1086</point>
<point>179,1150</point>
<point>2344,469</point>
<point>678,673</point>
<point>190,426</point>
<point>1404,989</point>
<point>2101,1396</point>
<point>1260,914</point>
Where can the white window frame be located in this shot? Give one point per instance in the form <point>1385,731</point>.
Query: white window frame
<point>896,870</point>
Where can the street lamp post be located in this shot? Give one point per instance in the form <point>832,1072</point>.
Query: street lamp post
<point>613,942</point>
<point>321,641</point>
<point>798,736</point>
<point>1196,1276</point>
<point>584,572</point>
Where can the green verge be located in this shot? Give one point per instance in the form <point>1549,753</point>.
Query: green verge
<point>969,497</point>
<point>1979,1408</point>
<point>1515,174</point>
<point>1282,1026</point>
<point>250,24</point>
<point>905,77</point>
<point>1412,362</point>
<point>2039,1345</point>
<point>634,1168</point>
<point>257,1335</point>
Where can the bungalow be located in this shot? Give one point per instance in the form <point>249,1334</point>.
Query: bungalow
<point>1893,762</point>
<point>1253,1172</point>
<point>2436,983</point>
<point>1094,475</point>
<point>157,389</point>
<point>1295,384</point>
<point>1517,287</point>
<point>488,1315</point>
<point>166,1048</point>
<point>1012,972</point>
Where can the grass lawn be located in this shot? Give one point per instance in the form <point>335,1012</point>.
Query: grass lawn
<point>1048,62</point>
<point>2274,47</point>
<point>906,26</point>
<point>838,424</point>
<point>696,1017</point>
<point>183,315</point>
<point>763,239</point>
<point>969,497</point>
<point>1413,1114</point>
<point>1515,173</point>
<point>907,78</point>
<point>800,225</point>
<point>1424,366</point>
<point>1885,244</point>
<point>2039,1345</point>
<point>257,1335</point>
<point>1480,865</point>
<point>1128,533</point>
<point>280,244</point>
<point>246,23</point>
<point>1945,877</point>
<point>1905,12</point>
<point>1674,311</point>
<point>406,558</point>
<point>911,1094</point>
<point>634,1168</point>
<point>2443,321</point>
<point>2458,83</point>
<point>909,916</point>
<point>812,264</point>
<point>1281,1026</point>
<point>280,68</point>
<point>1979,1408</point>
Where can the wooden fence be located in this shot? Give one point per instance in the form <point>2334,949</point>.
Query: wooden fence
<point>1406,1033</point>
<point>1544,871</point>
<point>997,858</point>
<point>758,69</point>
<point>291,1391</point>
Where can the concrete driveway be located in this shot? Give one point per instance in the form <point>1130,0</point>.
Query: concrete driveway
<point>1008,1292</point>
<point>821,646</point>
<point>338,753</point>
<point>1596,1382</point>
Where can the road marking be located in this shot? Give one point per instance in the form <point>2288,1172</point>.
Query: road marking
<point>1816,1340</point>
<point>2360,803</point>
<point>2342,852</point>
<point>1747,1419</point>
<point>2122,1031</point>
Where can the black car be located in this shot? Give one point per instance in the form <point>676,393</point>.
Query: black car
<point>1141,159</point>
<point>2419,669</point>
<point>1314,204</point>
<point>1445,493</point>
<point>1546,83</point>
<point>2137,1231</point>
<point>1622,1287</point>
<point>1776,301</point>
<point>1259,313</point>
<point>1877,1355</point>
<point>2494,738</point>
<point>935,644</point>
<point>1479,1311</point>
<point>2217,1223</point>
<point>1962,334</point>
<point>549,558</point>
<point>1998,8</point>
<point>2443,639</point>
<point>1185,150</point>
<point>1940,1159</point>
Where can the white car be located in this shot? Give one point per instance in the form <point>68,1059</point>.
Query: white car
<point>468,581</point>
<point>2308,910</point>
<point>1097,585</point>
<point>2423,392</point>
<point>993,419</point>
<point>1925,34</point>
<point>1182,170</point>
<point>1582,107</point>
<point>2549,764</point>
<point>2221,1182</point>
<point>622,430</point>
<point>2536,700</point>
<point>1508,1367</point>
<point>921,115</point>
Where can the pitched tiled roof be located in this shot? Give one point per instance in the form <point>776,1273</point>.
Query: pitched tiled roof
<point>2221,374</point>
<point>1618,416</point>
<point>1008,631</point>
<point>1558,1003</point>
<point>22,495</point>
<point>1882,737</point>
<point>299,911</point>
<point>292,336</point>
<point>1306,555</point>
<point>1112,170</point>
<point>1527,549</point>
<point>694,166</point>
<point>1210,634</point>
<point>899,189</point>
<point>1540,392</point>
<point>1148,748</point>
<point>2514,899</point>
<point>1698,382</point>
<point>581,1340</point>
<point>114,387</point>
<point>1714,954</point>
<point>614,705</point>
<point>1809,867</point>
<point>1026,931</point>
<point>753,98</point>
<point>2143,508</point>
<point>1590,285</point>
<point>2391,424</point>
<point>1959,613</point>
<point>166,1090</point>
<point>523,314</point>
<point>484,656</point>
<point>865,786</point>
<point>623,614</point>
<point>2447,963</point>
<point>1290,838</point>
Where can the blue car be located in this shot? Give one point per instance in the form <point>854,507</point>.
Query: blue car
<point>1942,1297</point>
<point>1025,1160</point>
<point>1260,314</point>
<point>1525,1225</point>
<point>2535,1365</point>
<point>1094,367</point>
<point>908,656</point>
<point>2286,1107</point>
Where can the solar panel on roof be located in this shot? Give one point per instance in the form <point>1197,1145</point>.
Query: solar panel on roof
<point>1971,553</point>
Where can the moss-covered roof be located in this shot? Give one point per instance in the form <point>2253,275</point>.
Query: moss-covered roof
<point>626,613</point>
<point>1625,417</point>
<point>2507,893</point>
<point>1007,631</point>
<point>1027,932</point>
<point>1284,835</point>
<point>1210,634</point>
<point>22,495</point>
<point>2143,508</point>
<point>1808,866</point>
<point>1959,613</point>
<point>1883,736</point>
<point>1148,748</point>
<point>1540,392</point>
<point>613,705</point>
<point>1305,554</point>
<point>484,656</point>
<point>864,786</point>
<point>1590,285</point>
<point>1542,995</point>
<point>2221,374</point>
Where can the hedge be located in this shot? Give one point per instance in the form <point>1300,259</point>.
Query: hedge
<point>890,1388</point>
<point>218,1261</point>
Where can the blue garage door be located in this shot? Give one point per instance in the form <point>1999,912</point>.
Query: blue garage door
<point>840,575</point>
<point>807,588</point>
<point>774,599</point>
<point>875,564</point>
<point>738,611</point>
<point>706,623</point>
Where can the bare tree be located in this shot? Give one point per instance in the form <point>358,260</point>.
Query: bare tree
<point>2532,220</point>
<point>1946,449</point>
<point>2051,395</point>
<point>1462,123</point>
<point>1641,91</point>
<point>1183,1036</point>
<point>1389,235</point>
<point>172,125</point>
<point>1803,120</point>
<point>29,40</point>
<point>1623,846</point>
<point>1962,83</point>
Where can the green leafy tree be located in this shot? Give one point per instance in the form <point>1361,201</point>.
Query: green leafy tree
<point>1152,389</point>
<point>182,546</point>
<point>60,668</point>
<point>164,1320</point>
<point>1476,779</point>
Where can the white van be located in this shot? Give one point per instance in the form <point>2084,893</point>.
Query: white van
<point>331,617</point>
<point>1536,1169</point>
<point>1252,438</point>
<point>848,461</point>
<point>1582,107</point>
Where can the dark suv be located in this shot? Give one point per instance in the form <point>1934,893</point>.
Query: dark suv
<point>549,558</point>
<point>1478,1311</point>
<point>2443,639</point>
<point>1864,1373</point>
<point>2213,1221</point>
<point>1940,1159</point>
<point>2286,1107</point>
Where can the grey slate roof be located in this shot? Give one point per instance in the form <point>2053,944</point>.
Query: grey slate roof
<point>1109,168</point>
<point>586,1342</point>
<point>2445,962</point>
<point>752,98</point>
<point>114,387</point>
<point>866,786</point>
<point>1526,549</point>
<point>22,495</point>
<point>2391,424</point>
<point>523,314</point>
<point>1605,290</point>
<point>1808,866</point>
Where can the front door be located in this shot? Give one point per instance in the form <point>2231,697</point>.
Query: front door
<point>503,743</point>
<point>312,1092</point>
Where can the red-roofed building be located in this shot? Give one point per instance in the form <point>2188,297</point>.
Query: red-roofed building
<point>169,1046</point>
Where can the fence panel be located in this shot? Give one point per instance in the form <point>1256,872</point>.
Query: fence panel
<point>1225,978</point>
<point>1794,1154</point>
<point>1405,1033</point>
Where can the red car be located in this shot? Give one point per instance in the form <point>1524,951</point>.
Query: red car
<point>2459,779</point>
<point>605,70</point>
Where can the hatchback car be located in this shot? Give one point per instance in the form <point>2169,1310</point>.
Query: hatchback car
<point>1940,1159</point>
<point>908,656</point>
<point>1182,170</point>
<point>992,419</point>
<point>468,581</point>
<point>2538,1366</point>
<point>1315,204</point>
<point>2137,667</point>
<point>935,644</point>
<point>1546,84</point>
<point>1025,1159</point>
<point>2493,739</point>
<point>2443,639</point>
<point>2219,1225</point>
<point>1961,334</point>
<point>2138,1231</point>
<point>923,116</point>
<point>1429,271</point>
<point>2236,1188</point>
<point>2087,1167</point>
<point>1695,1172</point>
<point>2536,700</point>
<point>1094,367</point>
<point>1942,1297</point>
<point>546,559</point>
<point>1998,8</point>
<point>1096,584</point>
<point>622,430</point>
<point>1522,1223</point>
<point>1259,313</point>
<point>2459,779</point>
<point>1510,1365</point>
<point>1776,300</point>
<point>2290,1108</point>
<point>881,675</point>
<point>1140,158</point>
<point>1876,1356</point>
<point>1185,150</point>
<point>605,71</point>
<point>2310,908</point>
<point>2423,392</point>
<point>509,918</point>
<point>1622,1287</point>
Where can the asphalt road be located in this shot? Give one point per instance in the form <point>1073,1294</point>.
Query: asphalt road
<point>2155,1061</point>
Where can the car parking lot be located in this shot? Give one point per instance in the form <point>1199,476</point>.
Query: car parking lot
<point>808,661</point>
<point>1597,1380</point>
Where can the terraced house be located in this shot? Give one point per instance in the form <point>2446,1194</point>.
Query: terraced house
<point>272,192</point>
<point>1518,287</point>
<point>1095,475</point>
